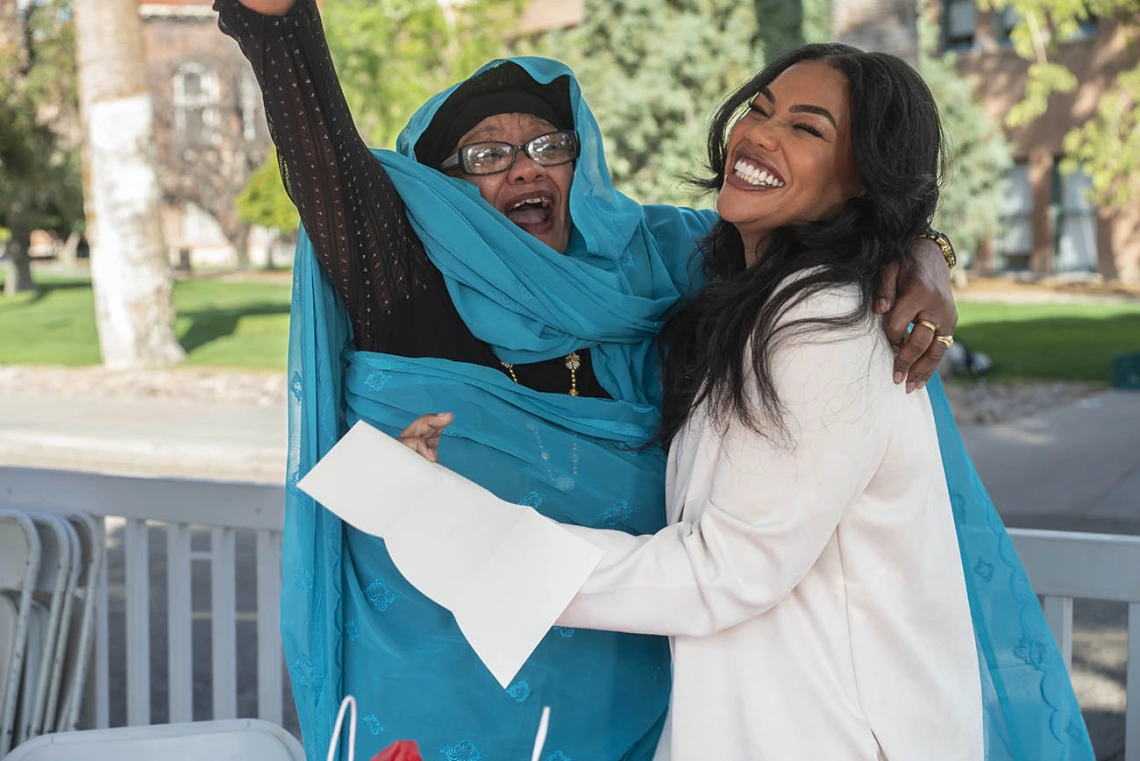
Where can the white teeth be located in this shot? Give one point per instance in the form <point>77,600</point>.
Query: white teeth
<point>525,201</point>
<point>755,176</point>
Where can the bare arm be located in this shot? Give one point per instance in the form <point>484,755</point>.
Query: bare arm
<point>918,291</point>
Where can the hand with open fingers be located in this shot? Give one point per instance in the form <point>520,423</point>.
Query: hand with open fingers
<point>918,293</point>
<point>422,436</point>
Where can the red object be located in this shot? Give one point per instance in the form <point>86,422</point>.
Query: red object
<point>401,750</point>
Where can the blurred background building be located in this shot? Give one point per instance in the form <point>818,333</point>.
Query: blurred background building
<point>1049,226</point>
<point>211,134</point>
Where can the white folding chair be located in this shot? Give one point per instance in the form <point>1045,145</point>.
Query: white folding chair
<point>58,546</point>
<point>19,565</point>
<point>45,717</point>
<point>65,699</point>
<point>29,676</point>
<point>233,740</point>
<point>9,625</point>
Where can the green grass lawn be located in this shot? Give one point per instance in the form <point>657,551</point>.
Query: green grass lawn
<point>245,324</point>
<point>242,325</point>
<point>1057,341</point>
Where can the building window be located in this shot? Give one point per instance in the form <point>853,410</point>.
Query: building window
<point>196,112</point>
<point>1013,247</point>
<point>1076,222</point>
<point>1007,18</point>
<point>959,22</point>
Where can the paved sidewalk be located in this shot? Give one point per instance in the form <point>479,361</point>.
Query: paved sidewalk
<point>147,436</point>
<point>1076,468</point>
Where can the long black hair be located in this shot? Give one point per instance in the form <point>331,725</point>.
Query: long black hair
<point>896,136</point>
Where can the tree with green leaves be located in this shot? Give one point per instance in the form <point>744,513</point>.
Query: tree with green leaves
<point>1107,146</point>
<point>390,57</point>
<point>784,25</point>
<point>654,72</point>
<point>40,170</point>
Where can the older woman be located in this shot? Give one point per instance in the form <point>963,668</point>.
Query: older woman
<point>486,266</point>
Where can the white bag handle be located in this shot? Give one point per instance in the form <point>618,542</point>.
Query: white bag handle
<point>540,739</point>
<point>350,702</point>
<point>345,704</point>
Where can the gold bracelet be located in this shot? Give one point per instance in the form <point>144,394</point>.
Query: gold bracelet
<point>944,244</point>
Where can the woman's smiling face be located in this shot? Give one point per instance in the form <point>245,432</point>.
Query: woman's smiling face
<point>790,159</point>
<point>526,180</point>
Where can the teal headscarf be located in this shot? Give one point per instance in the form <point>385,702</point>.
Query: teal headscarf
<point>352,625</point>
<point>626,266</point>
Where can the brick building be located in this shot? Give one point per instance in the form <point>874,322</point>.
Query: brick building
<point>1050,227</point>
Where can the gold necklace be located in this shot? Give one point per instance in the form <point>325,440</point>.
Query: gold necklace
<point>572,363</point>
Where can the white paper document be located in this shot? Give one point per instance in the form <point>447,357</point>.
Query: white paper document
<point>505,572</point>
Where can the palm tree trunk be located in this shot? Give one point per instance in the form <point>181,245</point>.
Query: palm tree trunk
<point>130,269</point>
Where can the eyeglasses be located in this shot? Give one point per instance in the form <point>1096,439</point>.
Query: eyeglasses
<point>493,157</point>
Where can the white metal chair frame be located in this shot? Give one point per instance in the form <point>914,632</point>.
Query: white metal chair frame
<point>74,652</point>
<point>45,713</point>
<point>174,742</point>
<point>9,626</point>
<point>33,659</point>
<point>59,567</point>
<point>19,577</point>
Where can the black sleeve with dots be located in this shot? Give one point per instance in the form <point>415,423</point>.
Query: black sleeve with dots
<point>346,200</point>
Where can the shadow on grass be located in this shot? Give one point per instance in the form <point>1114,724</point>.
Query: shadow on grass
<point>207,325</point>
<point>1066,348</point>
<point>44,288</point>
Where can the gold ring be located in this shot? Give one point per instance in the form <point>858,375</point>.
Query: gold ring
<point>946,341</point>
<point>927,324</point>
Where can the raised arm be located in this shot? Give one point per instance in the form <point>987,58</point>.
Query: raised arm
<point>773,504</point>
<point>346,200</point>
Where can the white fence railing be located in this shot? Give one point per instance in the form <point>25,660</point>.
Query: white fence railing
<point>203,524</point>
<point>1061,566</point>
